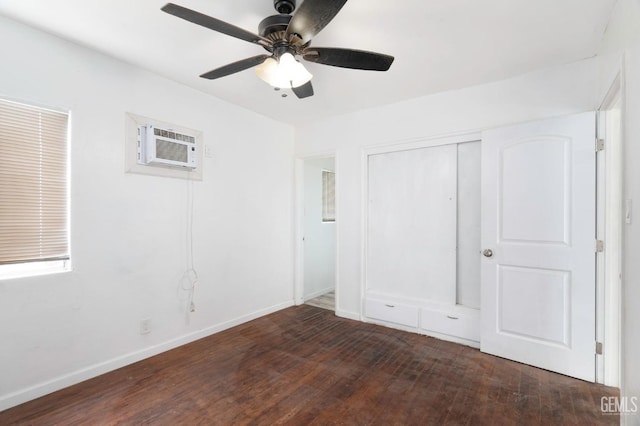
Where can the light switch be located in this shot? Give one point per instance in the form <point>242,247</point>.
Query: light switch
<point>627,212</point>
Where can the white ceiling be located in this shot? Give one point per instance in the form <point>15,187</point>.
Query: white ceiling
<point>438,44</point>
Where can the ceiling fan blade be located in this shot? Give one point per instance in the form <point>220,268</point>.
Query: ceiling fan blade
<point>312,16</point>
<point>303,91</point>
<point>348,58</point>
<point>235,67</point>
<point>214,24</point>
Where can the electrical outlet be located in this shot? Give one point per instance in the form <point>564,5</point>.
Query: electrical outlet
<point>207,152</point>
<point>145,326</point>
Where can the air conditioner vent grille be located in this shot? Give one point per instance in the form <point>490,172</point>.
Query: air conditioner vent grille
<point>173,135</point>
<point>171,151</point>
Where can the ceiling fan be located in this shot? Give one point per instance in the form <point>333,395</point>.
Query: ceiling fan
<point>286,36</point>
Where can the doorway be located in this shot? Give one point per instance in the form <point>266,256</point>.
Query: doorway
<point>317,244</point>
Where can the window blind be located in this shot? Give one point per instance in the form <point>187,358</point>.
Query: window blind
<point>33,184</point>
<point>328,196</point>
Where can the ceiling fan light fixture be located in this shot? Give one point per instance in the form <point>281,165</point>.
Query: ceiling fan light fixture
<point>267,70</point>
<point>294,71</point>
<point>286,36</point>
<point>284,73</point>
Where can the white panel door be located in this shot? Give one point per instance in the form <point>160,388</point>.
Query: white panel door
<point>538,236</point>
<point>411,235</point>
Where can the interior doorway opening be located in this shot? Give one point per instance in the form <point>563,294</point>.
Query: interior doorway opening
<point>317,232</point>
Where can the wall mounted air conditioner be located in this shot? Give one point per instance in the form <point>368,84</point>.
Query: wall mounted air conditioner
<point>166,147</point>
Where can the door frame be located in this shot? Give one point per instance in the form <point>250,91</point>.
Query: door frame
<point>609,229</point>
<point>299,231</point>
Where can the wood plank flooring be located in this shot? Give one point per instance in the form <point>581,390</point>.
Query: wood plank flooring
<point>305,366</point>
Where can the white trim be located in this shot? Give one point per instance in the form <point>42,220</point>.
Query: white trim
<point>336,164</point>
<point>348,315</point>
<point>298,286</point>
<point>36,103</point>
<point>426,142</point>
<point>364,226</point>
<point>610,228</point>
<point>44,388</point>
<point>12,271</point>
<point>440,336</point>
<point>600,236</point>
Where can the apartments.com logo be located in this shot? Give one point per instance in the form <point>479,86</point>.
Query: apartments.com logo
<point>611,405</point>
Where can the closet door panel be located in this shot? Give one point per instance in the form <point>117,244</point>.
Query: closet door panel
<point>411,227</point>
<point>468,271</point>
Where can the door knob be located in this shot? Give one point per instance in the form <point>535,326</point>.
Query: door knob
<point>487,253</point>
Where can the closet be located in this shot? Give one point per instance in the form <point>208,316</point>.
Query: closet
<point>509,225</point>
<point>423,240</point>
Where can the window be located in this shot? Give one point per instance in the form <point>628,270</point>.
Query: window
<point>328,196</point>
<point>34,219</point>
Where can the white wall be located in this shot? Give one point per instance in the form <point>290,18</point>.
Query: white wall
<point>547,93</point>
<point>620,51</point>
<point>319,237</point>
<point>128,232</point>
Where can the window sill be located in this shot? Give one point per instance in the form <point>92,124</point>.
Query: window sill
<point>33,269</point>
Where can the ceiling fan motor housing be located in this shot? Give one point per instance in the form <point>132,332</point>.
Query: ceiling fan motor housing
<point>284,6</point>
<point>272,24</point>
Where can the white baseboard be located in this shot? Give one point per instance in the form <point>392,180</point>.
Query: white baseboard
<point>454,339</point>
<point>441,336</point>
<point>348,315</point>
<point>318,293</point>
<point>61,382</point>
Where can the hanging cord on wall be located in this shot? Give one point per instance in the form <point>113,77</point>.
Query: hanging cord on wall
<point>190,276</point>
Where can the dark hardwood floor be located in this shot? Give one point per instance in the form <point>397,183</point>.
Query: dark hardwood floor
<point>304,366</point>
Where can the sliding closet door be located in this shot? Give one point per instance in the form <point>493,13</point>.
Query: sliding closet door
<point>411,235</point>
